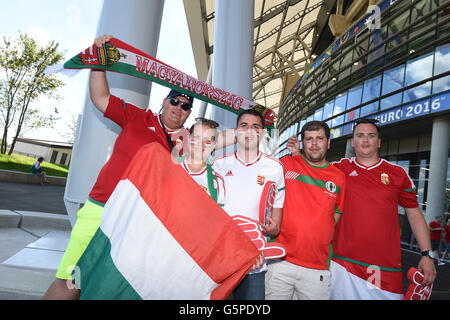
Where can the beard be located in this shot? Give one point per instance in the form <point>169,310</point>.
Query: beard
<point>315,156</point>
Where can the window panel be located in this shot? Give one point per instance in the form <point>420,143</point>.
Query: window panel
<point>442,84</point>
<point>354,97</point>
<point>417,92</point>
<point>328,110</point>
<point>392,81</point>
<point>318,114</point>
<point>391,101</point>
<point>369,109</point>
<point>418,69</point>
<point>442,59</point>
<point>371,88</point>
<point>339,106</point>
<point>352,115</point>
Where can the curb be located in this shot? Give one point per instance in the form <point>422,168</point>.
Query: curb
<point>28,178</point>
<point>30,220</point>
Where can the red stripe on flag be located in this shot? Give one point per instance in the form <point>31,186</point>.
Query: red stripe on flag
<point>199,225</point>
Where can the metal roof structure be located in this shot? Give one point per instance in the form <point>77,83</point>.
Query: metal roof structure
<point>286,34</point>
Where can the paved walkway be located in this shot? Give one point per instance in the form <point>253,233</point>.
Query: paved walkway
<point>31,197</point>
<point>34,231</point>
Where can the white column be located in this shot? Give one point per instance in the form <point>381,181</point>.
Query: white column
<point>137,23</point>
<point>233,53</point>
<point>349,150</point>
<point>437,179</point>
<point>204,104</point>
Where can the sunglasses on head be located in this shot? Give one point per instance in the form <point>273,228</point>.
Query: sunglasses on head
<point>186,106</point>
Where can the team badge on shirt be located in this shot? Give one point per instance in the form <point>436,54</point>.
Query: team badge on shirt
<point>331,186</point>
<point>384,178</point>
<point>260,179</point>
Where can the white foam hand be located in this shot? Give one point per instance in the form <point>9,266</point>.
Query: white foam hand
<point>252,229</point>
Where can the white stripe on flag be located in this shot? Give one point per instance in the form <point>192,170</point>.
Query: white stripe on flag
<point>146,254</point>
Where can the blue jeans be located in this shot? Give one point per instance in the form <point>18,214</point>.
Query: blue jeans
<point>252,287</point>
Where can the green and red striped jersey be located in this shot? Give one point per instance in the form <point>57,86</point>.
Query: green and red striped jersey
<point>313,195</point>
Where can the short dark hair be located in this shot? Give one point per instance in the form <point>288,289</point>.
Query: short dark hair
<point>369,121</point>
<point>251,112</point>
<point>40,159</point>
<point>203,121</point>
<point>315,126</point>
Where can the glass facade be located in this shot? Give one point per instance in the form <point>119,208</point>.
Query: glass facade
<point>396,73</point>
<point>374,72</point>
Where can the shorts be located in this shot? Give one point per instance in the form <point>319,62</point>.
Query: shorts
<point>288,281</point>
<point>88,221</point>
<point>435,245</point>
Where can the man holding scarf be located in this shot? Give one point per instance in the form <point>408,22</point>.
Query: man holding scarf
<point>139,128</point>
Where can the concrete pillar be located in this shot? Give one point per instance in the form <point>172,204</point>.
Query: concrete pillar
<point>204,104</point>
<point>437,181</point>
<point>233,53</point>
<point>137,23</point>
<point>349,150</point>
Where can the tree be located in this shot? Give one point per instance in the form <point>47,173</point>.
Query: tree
<point>22,80</point>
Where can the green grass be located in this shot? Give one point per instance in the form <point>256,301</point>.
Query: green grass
<point>21,163</point>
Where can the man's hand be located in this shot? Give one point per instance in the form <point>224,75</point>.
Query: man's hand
<point>259,262</point>
<point>98,84</point>
<point>293,145</point>
<point>271,228</point>
<point>102,40</point>
<point>426,266</point>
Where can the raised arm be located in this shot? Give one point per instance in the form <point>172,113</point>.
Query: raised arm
<point>293,145</point>
<point>98,84</point>
<point>225,138</point>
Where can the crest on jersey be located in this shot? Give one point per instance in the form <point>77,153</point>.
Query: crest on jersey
<point>331,186</point>
<point>260,179</point>
<point>385,178</point>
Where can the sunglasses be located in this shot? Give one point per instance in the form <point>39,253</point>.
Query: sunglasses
<point>184,105</point>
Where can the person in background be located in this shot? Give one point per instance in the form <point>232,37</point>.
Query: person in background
<point>436,233</point>
<point>447,240</point>
<point>37,170</point>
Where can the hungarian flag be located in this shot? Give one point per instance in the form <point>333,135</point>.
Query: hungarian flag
<point>162,237</point>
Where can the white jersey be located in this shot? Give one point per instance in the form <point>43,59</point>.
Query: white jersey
<point>202,179</point>
<point>245,182</point>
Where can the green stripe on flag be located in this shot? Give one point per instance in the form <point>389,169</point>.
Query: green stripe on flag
<point>96,267</point>
<point>367,264</point>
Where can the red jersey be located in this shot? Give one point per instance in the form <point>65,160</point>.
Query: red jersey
<point>312,196</point>
<point>368,233</point>
<point>447,233</point>
<point>139,127</point>
<point>435,234</point>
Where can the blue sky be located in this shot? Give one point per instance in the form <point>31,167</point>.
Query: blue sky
<point>73,25</point>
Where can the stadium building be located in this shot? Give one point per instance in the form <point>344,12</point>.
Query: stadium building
<point>393,64</point>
